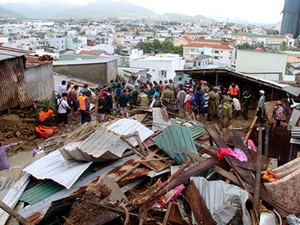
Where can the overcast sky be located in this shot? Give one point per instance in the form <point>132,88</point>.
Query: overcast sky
<point>261,11</point>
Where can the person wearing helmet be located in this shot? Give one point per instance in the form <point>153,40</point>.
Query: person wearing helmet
<point>278,113</point>
<point>261,106</point>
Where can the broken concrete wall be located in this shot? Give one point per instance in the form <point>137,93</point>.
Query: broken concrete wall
<point>40,82</point>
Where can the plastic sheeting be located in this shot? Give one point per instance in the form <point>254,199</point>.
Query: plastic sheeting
<point>223,200</point>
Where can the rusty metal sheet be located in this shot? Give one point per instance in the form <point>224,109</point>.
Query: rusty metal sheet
<point>13,90</point>
<point>119,171</point>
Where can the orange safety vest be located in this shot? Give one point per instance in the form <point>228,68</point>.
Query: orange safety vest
<point>234,91</point>
<point>81,101</point>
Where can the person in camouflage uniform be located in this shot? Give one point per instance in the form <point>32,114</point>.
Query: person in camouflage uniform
<point>226,115</point>
<point>167,95</point>
<point>142,99</point>
<point>213,102</point>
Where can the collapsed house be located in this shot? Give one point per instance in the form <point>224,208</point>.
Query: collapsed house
<point>122,171</point>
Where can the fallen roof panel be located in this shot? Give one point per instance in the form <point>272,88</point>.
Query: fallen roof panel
<point>55,167</point>
<point>38,210</point>
<point>105,143</point>
<point>173,139</point>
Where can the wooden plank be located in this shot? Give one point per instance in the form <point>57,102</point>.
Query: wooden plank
<point>250,130</point>
<point>256,204</point>
<point>166,218</point>
<point>13,213</point>
<point>198,206</point>
<point>246,175</point>
<point>193,170</point>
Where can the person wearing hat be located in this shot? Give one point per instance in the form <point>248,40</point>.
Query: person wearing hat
<point>226,115</point>
<point>278,113</point>
<point>213,103</point>
<point>261,106</point>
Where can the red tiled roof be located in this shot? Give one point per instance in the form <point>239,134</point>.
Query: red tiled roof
<point>87,52</point>
<point>214,45</point>
<point>187,38</point>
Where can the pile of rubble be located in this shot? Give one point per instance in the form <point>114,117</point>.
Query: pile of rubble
<point>153,168</point>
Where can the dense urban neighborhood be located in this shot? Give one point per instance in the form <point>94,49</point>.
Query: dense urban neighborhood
<point>112,114</point>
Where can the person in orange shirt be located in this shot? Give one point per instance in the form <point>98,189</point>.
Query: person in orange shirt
<point>84,107</point>
<point>234,91</point>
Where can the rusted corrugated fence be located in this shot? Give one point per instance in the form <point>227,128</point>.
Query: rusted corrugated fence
<point>13,90</point>
<point>276,143</point>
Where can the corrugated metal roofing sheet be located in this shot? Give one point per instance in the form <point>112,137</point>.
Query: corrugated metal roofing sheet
<point>53,166</point>
<point>172,139</point>
<point>45,189</point>
<point>129,126</point>
<point>13,90</point>
<point>39,209</point>
<point>105,143</point>
<point>197,129</point>
<point>223,200</point>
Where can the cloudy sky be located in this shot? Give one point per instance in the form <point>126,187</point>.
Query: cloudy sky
<point>261,11</point>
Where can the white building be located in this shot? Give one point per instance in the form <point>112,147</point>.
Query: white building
<point>270,66</point>
<point>58,42</point>
<point>222,53</point>
<point>161,66</point>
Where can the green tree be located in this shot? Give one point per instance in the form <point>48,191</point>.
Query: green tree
<point>283,46</point>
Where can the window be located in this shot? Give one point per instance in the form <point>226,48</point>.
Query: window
<point>217,52</point>
<point>216,57</point>
<point>163,74</point>
<point>62,41</point>
<point>192,50</point>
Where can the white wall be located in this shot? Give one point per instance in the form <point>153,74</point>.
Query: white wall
<point>157,64</point>
<point>260,62</point>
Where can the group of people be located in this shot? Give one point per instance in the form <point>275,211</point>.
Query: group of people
<point>199,100</point>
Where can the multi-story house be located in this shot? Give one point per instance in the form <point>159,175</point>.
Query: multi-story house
<point>58,42</point>
<point>221,53</point>
<point>161,66</point>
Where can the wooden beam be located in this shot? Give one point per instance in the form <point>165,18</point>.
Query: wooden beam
<point>250,130</point>
<point>198,206</point>
<point>256,203</point>
<point>13,213</point>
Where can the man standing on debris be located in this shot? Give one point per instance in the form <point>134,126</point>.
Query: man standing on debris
<point>261,106</point>
<point>234,91</point>
<point>101,107</point>
<point>226,112</point>
<point>124,102</point>
<point>62,88</point>
<point>246,103</point>
<point>167,95</point>
<point>278,113</point>
<point>109,101</point>
<point>198,102</point>
<point>4,165</point>
<point>62,109</point>
<point>84,107</point>
<point>180,100</point>
<point>236,107</point>
<point>213,103</point>
<point>142,99</point>
<point>73,98</point>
